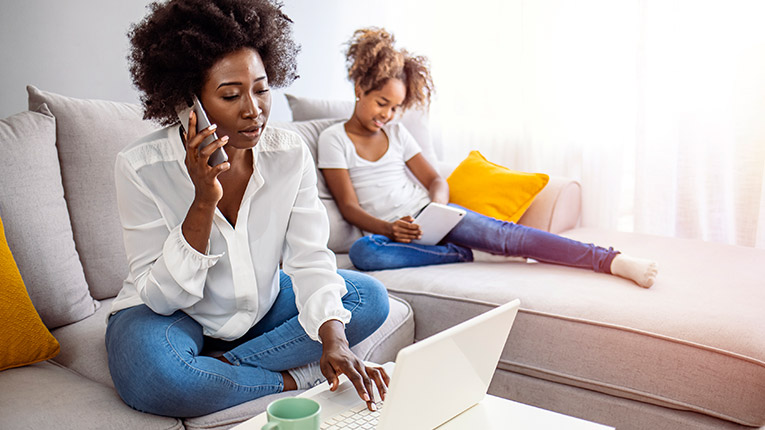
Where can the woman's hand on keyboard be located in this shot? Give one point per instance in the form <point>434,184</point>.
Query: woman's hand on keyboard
<point>337,358</point>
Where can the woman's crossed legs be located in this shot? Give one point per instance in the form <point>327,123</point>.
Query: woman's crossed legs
<point>157,364</point>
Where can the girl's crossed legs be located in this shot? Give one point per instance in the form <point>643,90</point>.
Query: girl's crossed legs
<point>157,365</point>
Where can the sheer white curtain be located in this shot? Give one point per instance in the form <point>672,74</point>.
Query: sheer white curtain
<point>656,106</point>
<point>545,86</point>
<point>701,136</point>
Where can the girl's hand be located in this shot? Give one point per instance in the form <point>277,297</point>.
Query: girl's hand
<point>404,230</point>
<point>337,358</point>
<point>208,189</point>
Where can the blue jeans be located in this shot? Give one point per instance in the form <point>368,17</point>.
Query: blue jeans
<point>157,362</point>
<point>476,231</point>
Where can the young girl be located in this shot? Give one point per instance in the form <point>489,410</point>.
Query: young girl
<point>365,162</point>
<point>204,243</point>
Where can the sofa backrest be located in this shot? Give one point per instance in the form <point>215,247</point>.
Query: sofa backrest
<point>89,134</point>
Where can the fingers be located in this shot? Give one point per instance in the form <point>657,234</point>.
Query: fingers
<point>368,385</point>
<point>207,151</point>
<point>192,131</point>
<point>404,230</point>
<point>359,379</point>
<point>201,156</point>
<point>329,372</point>
<point>380,378</point>
<point>195,139</point>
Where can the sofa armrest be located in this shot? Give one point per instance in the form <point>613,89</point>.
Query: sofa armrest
<point>557,207</point>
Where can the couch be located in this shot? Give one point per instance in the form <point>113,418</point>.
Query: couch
<point>688,353</point>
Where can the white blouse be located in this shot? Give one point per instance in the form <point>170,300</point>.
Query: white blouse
<point>232,286</point>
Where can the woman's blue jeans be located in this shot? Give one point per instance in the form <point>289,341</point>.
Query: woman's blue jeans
<point>476,231</point>
<point>157,362</point>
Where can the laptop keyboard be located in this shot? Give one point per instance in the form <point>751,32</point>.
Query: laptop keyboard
<point>357,418</point>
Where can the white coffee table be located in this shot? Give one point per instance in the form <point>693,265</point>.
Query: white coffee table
<point>490,414</point>
<point>495,413</point>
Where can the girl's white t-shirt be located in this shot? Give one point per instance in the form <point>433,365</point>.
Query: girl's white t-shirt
<point>385,188</point>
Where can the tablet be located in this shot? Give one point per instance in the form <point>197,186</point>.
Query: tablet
<point>436,221</point>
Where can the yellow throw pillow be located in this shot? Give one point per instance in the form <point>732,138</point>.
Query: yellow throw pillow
<point>493,190</point>
<point>24,339</point>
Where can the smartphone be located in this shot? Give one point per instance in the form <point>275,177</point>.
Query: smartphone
<point>217,157</point>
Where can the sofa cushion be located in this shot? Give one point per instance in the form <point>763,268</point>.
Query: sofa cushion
<point>69,401</point>
<point>36,220</point>
<point>24,338</point>
<point>493,190</point>
<point>693,341</point>
<point>416,121</point>
<point>83,348</point>
<point>89,134</point>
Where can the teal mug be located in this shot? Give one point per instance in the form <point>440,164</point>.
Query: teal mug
<point>293,413</point>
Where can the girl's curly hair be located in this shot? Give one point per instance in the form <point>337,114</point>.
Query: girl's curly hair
<point>177,43</point>
<point>372,60</point>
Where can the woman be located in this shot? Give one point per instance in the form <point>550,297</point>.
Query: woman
<point>204,243</point>
<point>365,162</point>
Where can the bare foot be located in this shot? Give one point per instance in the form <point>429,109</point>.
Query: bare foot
<point>641,271</point>
<point>289,382</point>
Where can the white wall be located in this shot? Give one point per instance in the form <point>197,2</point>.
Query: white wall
<point>73,47</point>
<point>78,48</point>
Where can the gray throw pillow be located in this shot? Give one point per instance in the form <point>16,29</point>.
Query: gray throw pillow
<point>89,134</point>
<point>36,220</point>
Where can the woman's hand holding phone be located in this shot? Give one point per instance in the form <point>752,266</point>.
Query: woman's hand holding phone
<point>205,177</point>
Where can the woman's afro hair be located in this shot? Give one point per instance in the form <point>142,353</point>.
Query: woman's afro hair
<point>176,44</point>
<point>372,60</point>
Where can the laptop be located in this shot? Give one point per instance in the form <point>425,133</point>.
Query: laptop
<point>436,221</point>
<point>433,380</point>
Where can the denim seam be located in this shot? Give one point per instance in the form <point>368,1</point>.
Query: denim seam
<point>203,372</point>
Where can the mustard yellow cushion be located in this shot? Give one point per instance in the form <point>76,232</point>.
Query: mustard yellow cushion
<point>493,190</point>
<point>24,339</point>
